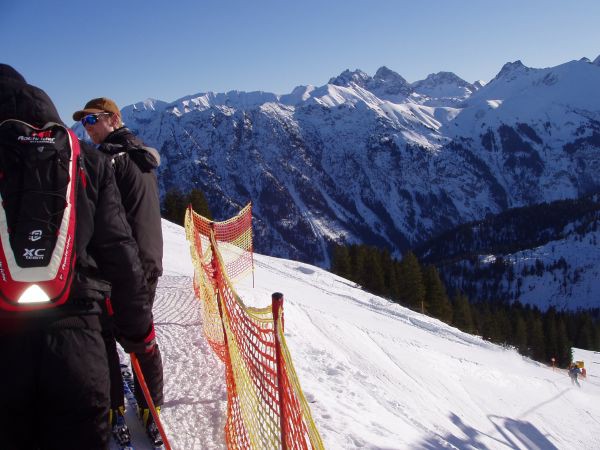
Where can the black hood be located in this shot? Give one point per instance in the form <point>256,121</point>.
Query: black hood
<point>123,140</point>
<point>22,101</point>
<point>9,73</point>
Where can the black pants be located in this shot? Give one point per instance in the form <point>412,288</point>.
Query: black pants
<point>150,363</point>
<point>152,369</point>
<point>54,387</point>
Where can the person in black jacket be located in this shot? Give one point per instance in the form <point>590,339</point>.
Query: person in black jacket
<point>134,165</point>
<point>54,383</point>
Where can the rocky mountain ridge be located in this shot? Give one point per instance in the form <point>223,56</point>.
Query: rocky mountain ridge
<point>378,160</point>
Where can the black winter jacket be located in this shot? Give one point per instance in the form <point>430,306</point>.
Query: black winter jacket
<point>135,170</point>
<point>104,244</point>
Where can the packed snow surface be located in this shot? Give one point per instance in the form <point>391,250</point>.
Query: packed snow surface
<point>376,375</point>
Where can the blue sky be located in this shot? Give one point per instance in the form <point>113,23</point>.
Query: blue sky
<point>137,49</point>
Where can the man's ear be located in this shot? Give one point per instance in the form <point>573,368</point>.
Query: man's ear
<point>115,121</point>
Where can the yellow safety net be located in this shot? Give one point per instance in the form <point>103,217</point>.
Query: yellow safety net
<point>266,408</point>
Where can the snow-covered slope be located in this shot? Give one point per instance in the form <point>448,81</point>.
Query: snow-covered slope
<point>376,375</point>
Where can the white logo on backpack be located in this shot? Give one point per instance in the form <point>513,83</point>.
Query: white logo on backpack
<point>34,253</point>
<point>35,235</point>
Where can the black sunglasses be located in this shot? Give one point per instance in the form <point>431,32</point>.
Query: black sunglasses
<point>91,119</point>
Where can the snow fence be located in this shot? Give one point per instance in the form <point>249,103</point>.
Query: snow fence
<point>266,408</point>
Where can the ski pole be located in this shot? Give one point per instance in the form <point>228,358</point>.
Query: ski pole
<point>138,371</point>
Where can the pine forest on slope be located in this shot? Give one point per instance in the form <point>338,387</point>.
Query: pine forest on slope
<point>545,255</point>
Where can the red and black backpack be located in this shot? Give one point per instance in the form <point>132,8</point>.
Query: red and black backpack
<point>39,170</point>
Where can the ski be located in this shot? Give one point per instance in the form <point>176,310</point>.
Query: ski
<point>121,435</point>
<point>120,432</point>
<point>129,387</point>
<point>121,443</point>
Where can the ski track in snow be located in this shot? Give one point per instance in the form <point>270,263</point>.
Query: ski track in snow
<point>406,377</point>
<point>195,396</point>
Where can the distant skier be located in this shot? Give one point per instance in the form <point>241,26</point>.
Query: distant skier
<point>574,371</point>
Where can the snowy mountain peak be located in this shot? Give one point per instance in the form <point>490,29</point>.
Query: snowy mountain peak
<point>510,69</point>
<point>386,75</point>
<point>231,99</point>
<point>298,95</point>
<point>442,78</point>
<point>597,61</point>
<point>149,103</point>
<point>443,88</point>
<point>479,84</point>
<point>346,77</point>
<point>386,82</point>
<point>143,110</point>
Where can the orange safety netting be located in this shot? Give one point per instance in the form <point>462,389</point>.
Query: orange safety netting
<point>235,235</point>
<point>266,408</point>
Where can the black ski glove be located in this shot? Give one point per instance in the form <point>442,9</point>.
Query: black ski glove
<point>145,345</point>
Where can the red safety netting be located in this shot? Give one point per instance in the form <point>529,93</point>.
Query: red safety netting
<point>266,408</point>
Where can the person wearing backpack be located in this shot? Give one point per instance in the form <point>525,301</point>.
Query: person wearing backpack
<point>54,380</point>
<point>135,171</point>
<point>574,371</point>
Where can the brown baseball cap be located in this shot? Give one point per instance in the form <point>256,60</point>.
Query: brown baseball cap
<point>97,105</point>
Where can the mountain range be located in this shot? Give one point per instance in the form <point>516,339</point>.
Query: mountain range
<point>379,160</point>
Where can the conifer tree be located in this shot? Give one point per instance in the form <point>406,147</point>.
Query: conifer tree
<point>462,317</point>
<point>396,282</point>
<point>564,354</point>
<point>174,204</point>
<point>340,261</point>
<point>387,265</point>
<point>550,334</point>
<point>503,325</point>
<point>364,271</point>
<point>519,339</point>
<point>412,291</point>
<point>585,333</point>
<point>489,326</point>
<point>357,263</point>
<point>373,277</point>
<point>596,342</point>
<point>436,299</point>
<point>536,339</point>
<point>199,203</point>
